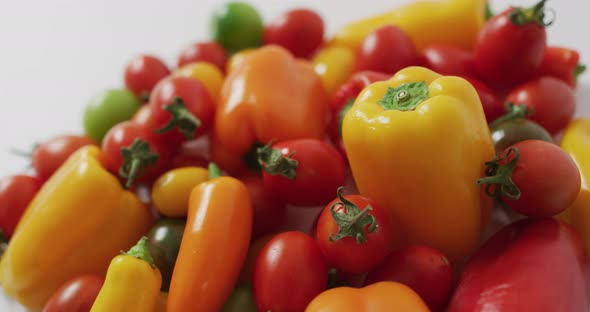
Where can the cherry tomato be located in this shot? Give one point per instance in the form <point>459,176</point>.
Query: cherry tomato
<point>143,117</point>
<point>211,52</point>
<point>164,242</point>
<point>193,153</point>
<point>307,174</point>
<point>182,105</point>
<point>152,159</point>
<point>424,269</point>
<point>535,178</point>
<point>269,211</point>
<point>387,50</point>
<point>108,109</point>
<point>290,271</point>
<point>247,273</point>
<point>51,154</point>
<point>450,60</point>
<point>240,300</point>
<point>16,192</point>
<point>513,127</point>
<point>171,191</point>
<point>354,233</point>
<point>301,31</point>
<point>143,73</point>
<point>237,26</point>
<point>562,63</point>
<point>76,295</point>
<point>491,103</point>
<point>552,101</point>
<point>510,46</point>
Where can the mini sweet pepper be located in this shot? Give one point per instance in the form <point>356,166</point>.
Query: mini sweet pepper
<point>416,144</point>
<point>80,219</point>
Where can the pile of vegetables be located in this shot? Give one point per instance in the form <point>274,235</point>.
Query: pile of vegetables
<point>272,169</point>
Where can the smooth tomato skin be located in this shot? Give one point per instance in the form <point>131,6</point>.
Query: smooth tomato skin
<point>450,60</point>
<point>490,101</point>
<point>347,254</point>
<point>548,179</point>
<point>144,117</point>
<point>290,271</point>
<point>76,295</point>
<point>247,273</point>
<point>301,31</point>
<point>193,153</point>
<point>320,171</point>
<point>196,98</point>
<point>426,270</point>
<point>387,50</point>
<point>16,192</point>
<point>269,211</point>
<point>50,155</point>
<point>561,63</point>
<point>507,54</point>
<point>211,52</point>
<point>143,73</point>
<point>552,100</point>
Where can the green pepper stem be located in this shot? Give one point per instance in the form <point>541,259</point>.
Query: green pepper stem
<point>214,171</point>
<point>141,251</point>
<point>405,97</point>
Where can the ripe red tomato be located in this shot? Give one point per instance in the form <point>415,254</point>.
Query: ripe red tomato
<point>143,117</point>
<point>247,273</point>
<point>193,153</point>
<point>76,295</point>
<point>51,154</point>
<point>354,233</point>
<point>211,52</point>
<point>16,192</point>
<point>510,46</point>
<point>269,211</point>
<point>535,178</point>
<point>491,103</point>
<point>290,271</point>
<point>424,269</point>
<point>387,50</point>
<point>143,73</point>
<point>450,60</point>
<point>552,101</point>
<point>177,102</point>
<point>303,172</point>
<point>562,63</point>
<point>301,31</point>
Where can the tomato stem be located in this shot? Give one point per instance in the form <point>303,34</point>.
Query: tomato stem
<point>534,14</point>
<point>499,176</point>
<point>580,69</point>
<point>214,171</point>
<point>141,251</point>
<point>489,13</point>
<point>136,157</point>
<point>513,111</point>
<point>274,162</point>
<point>182,119</point>
<point>405,97</point>
<point>353,221</point>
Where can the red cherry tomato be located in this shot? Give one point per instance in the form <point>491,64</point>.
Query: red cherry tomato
<point>491,103</point>
<point>308,174</point>
<point>354,246</point>
<point>387,50</point>
<point>50,155</point>
<point>535,178</point>
<point>211,52</point>
<point>143,73</point>
<point>143,117</point>
<point>449,60</point>
<point>16,192</point>
<point>269,211</point>
<point>510,46</point>
<point>191,99</point>
<point>424,269</point>
<point>76,295</point>
<point>193,153</point>
<point>247,274</point>
<point>561,63</point>
<point>552,101</point>
<point>301,31</point>
<point>290,271</point>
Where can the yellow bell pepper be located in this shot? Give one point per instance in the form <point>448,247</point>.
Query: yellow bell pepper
<point>132,283</point>
<point>416,145</point>
<point>334,65</point>
<point>80,219</point>
<point>455,22</point>
<point>576,142</point>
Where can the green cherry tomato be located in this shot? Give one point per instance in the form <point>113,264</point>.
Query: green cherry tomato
<point>164,242</point>
<point>241,300</point>
<point>516,130</point>
<point>237,26</point>
<point>108,109</point>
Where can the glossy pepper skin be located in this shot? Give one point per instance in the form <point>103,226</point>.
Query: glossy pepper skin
<point>530,265</point>
<point>132,283</point>
<point>78,221</point>
<point>214,246</point>
<point>382,296</point>
<point>269,96</point>
<point>467,17</point>
<point>397,157</point>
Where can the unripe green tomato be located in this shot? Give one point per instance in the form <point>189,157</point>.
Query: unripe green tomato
<point>107,109</point>
<point>237,26</point>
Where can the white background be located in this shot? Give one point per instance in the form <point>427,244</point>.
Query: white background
<point>56,54</point>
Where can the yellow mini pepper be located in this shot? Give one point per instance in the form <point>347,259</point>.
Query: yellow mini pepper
<point>132,283</point>
<point>334,65</point>
<point>417,145</point>
<point>454,22</point>
<point>80,219</point>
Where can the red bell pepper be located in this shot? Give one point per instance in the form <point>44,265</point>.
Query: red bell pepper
<point>562,63</point>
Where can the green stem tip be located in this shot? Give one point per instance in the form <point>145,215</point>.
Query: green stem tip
<point>181,118</point>
<point>498,178</point>
<point>136,157</point>
<point>580,69</point>
<point>405,97</point>
<point>274,162</point>
<point>353,221</point>
<point>513,111</point>
<point>141,251</point>
<point>214,171</point>
<point>535,14</point>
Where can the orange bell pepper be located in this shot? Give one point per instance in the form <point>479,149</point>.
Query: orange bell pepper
<point>382,296</point>
<point>270,96</point>
<point>214,246</point>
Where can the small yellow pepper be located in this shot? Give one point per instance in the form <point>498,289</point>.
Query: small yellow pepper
<point>132,283</point>
<point>170,193</point>
<point>206,73</point>
<point>334,65</point>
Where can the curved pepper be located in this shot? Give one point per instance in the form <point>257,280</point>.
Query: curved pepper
<point>416,144</point>
<point>80,219</point>
<point>270,96</point>
<point>214,246</point>
<point>454,22</point>
<point>132,282</point>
